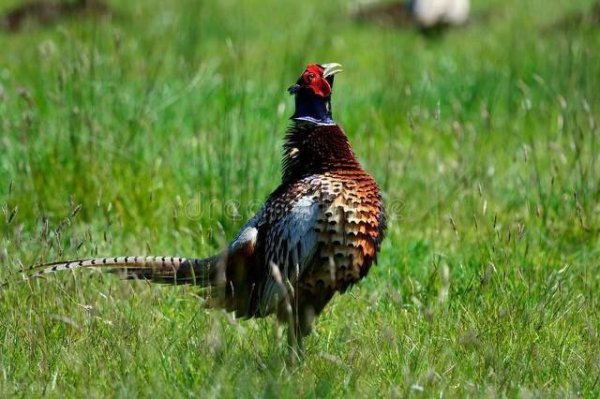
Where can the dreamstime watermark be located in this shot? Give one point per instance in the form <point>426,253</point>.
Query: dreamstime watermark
<point>206,208</point>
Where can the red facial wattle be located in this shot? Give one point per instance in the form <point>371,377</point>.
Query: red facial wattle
<point>313,78</point>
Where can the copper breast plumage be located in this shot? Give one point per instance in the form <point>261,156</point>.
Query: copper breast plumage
<point>345,212</point>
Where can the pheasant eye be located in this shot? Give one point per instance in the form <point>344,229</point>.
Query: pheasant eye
<point>310,77</point>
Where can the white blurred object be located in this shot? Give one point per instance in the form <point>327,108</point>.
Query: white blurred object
<point>429,13</point>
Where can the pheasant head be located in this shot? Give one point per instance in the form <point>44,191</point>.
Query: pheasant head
<point>313,93</point>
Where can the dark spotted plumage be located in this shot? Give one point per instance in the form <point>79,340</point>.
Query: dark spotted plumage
<point>317,234</point>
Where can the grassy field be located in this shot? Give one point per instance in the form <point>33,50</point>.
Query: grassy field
<point>159,132</point>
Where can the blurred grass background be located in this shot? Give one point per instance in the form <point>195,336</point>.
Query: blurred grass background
<point>158,131</point>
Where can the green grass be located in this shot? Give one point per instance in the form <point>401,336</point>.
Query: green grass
<point>159,132</point>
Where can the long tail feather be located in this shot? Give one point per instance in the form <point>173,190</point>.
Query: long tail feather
<point>160,269</point>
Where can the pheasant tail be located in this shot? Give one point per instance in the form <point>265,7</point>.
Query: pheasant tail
<point>208,272</point>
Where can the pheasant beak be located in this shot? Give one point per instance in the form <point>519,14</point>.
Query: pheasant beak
<point>331,69</point>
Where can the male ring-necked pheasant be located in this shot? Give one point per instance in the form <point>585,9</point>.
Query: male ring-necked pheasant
<point>317,234</point>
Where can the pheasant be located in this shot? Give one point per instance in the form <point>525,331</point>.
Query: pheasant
<point>317,234</point>
<point>429,16</point>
